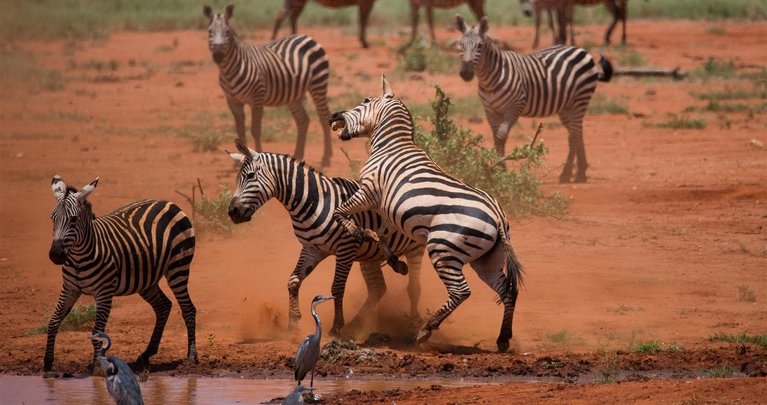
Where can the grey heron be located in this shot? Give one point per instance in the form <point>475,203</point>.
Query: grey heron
<point>121,383</point>
<point>296,397</point>
<point>309,350</point>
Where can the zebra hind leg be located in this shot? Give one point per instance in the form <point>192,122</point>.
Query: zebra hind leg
<point>161,306</point>
<point>376,286</point>
<point>178,283</point>
<point>573,121</point>
<point>319,94</point>
<point>450,272</point>
<point>490,269</point>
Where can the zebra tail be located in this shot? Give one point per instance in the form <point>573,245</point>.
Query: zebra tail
<point>607,69</point>
<point>514,270</point>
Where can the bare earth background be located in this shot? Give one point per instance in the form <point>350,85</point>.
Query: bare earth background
<point>659,245</point>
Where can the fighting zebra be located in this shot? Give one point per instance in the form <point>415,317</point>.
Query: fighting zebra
<point>311,197</point>
<point>557,80</point>
<point>565,10</point>
<point>295,7</point>
<point>123,253</point>
<point>476,6</point>
<point>274,74</point>
<point>457,223</point>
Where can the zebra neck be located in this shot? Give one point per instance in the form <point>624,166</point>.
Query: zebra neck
<point>295,183</point>
<point>492,66</point>
<point>395,128</point>
<point>85,242</point>
<point>232,63</point>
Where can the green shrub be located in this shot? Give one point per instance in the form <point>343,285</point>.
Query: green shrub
<point>80,318</point>
<point>460,153</point>
<point>759,340</point>
<point>649,347</point>
<point>212,214</point>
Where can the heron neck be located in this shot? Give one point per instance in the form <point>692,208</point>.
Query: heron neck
<point>318,326</point>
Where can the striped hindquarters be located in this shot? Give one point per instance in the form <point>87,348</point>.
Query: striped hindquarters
<point>304,65</point>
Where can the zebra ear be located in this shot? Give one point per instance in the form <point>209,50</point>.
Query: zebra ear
<point>246,151</point>
<point>387,91</point>
<point>207,12</point>
<point>82,194</point>
<point>483,26</point>
<point>228,12</point>
<point>59,187</point>
<point>460,24</point>
<point>236,157</point>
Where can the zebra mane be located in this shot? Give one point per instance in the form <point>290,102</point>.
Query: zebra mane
<point>86,204</point>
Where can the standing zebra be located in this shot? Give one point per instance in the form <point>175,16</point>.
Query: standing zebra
<point>477,7</point>
<point>295,7</point>
<point>565,9</point>
<point>311,198</point>
<point>557,80</point>
<point>123,253</point>
<point>274,74</point>
<point>457,223</point>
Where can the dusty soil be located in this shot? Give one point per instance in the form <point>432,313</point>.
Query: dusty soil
<point>660,244</point>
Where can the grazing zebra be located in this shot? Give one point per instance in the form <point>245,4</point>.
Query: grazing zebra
<point>457,223</point>
<point>123,253</point>
<point>477,7</point>
<point>565,9</point>
<point>557,80</point>
<point>295,7</point>
<point>311,198</point>
<point>273,74</point>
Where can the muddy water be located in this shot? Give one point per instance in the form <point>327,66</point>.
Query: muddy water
<point>189,390</point>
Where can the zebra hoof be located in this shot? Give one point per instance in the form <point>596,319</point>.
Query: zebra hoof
<point>580,178</point>
<point>423,335</point>
<point>503,346</point>
<point>564,178</point>
<point>400,267</point>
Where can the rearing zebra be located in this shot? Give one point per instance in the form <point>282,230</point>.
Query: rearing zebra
<point>311,197</point>
<point>277,73</point>
<point>557,80</point>
<point>296,7</point>
<point>457,223</point>
<point>123,253</point>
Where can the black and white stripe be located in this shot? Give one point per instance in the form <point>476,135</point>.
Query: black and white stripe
<point>294,8</point>
<point>457,223</point>
<point>311,197</point>
<point>557,80</point>
<point>126,252</point>
<point>273,74</point>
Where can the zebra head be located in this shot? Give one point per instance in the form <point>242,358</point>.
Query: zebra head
<point>527,7</point>
<point>470,45</point>
<point>70,216</point>
<point>220,34</point>
<point>362,120</point>
<point>254,187</point>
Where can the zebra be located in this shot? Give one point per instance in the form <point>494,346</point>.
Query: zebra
<point>123,253</point>
<point>565,8</point>
<point>277,73</point>
<point>311,197</point>
<point>535,8</point>
<point>457,223</point>
<point>556,80</point>
<point>295,7</point>
<point>476,6</point>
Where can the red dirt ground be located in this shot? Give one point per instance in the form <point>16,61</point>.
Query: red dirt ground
<point>671,226</point>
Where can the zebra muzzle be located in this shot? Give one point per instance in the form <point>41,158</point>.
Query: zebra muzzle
<point>337,122</point>
<point>239,212</point>
<point>57,254</point>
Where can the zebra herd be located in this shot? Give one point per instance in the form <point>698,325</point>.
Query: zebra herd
<point>403,205</point>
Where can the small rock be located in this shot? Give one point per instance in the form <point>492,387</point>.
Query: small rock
<point>755,143</point>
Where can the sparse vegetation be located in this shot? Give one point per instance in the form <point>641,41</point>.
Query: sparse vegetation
<point>421,56</point>
<point>648,347</point>
<point>602,105</point>
<point>759,340</point>
<point>730,94</point>
<point>563,338</point>
<point>211,214</point>
<point>720,371</point>
<point>20,70</point>
<point>82,318</point>
<point>682,122</point>
<point>715,68</point>
<point>629,57</point>
<point>461,154</point>
<point>746,294</point>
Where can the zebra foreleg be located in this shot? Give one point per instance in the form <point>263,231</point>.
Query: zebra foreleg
<point>281,15</point>
<point>414,10</point>
<point>307,261</point>
<point>430,22</point>
<point>67,299</point>
<point>365,8</point>
<point>238,112</point>
<point>301,118</point>
<point>257,112</point>
<point>103,308</point>
<point>161,306</point>
<point>414,259</point>
<point>457,290</point>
